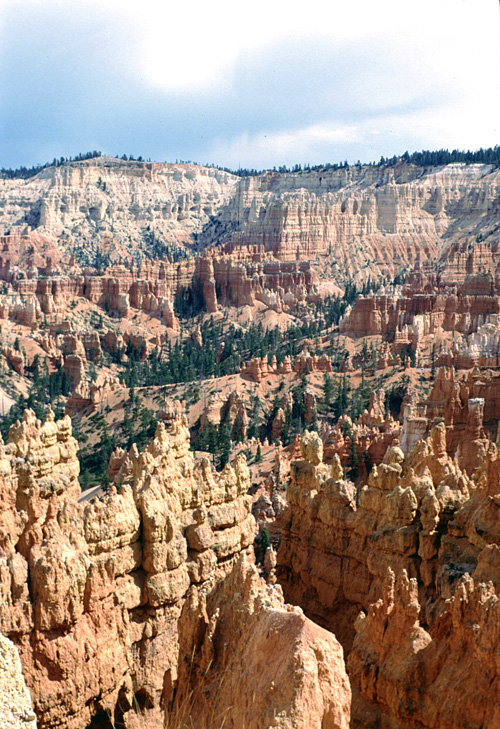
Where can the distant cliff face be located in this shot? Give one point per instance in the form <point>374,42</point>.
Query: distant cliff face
<point>136,203</point>
<point>367,220</point>
<point>363,221</point>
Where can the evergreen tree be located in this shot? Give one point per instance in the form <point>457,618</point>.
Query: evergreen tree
<point>328,390</point>
<point>265,540</point>
<point>224,443</point>
<point>354,458</point>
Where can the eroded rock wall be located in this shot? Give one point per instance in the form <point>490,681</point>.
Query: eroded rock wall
<point>417,552</point>
<point>129,200</point>
<point>94,593</point>
<point>364,220</point>
<point>370,220</point>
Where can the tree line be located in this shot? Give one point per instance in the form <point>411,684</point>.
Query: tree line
<point>424,158</point>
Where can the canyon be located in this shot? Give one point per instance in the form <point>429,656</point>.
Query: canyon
<point>250,466</point>
<point>363,220</point>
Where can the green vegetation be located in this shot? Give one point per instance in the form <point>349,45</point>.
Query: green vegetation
<point>425,158</point>
<point>25,172</point>
<point>215,440</point>
<point>225,348</point>
<point>46,389</point>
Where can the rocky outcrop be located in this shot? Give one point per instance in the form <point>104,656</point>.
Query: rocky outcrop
<point>368,437</point>
<point>408,677</point>
<point>15,358</point>
<point>247,275</point>
<point>468,405</point>
<point>409,315</point>
<point>337,542</point>
<point>94,594</point>
<point>90,396</point>
<point>417,550</point>
<point>121,289</point>
<point>440,323</point>
<point>15,702</point>
<point>257,662</point>
<point>230,410</point>
<point>259,368</point>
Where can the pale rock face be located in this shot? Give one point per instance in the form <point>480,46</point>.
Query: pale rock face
<point>398,213</point>
<point>15,702</point>
<point>373,220</point>
<point>311,447</point>
<point>127,200</point>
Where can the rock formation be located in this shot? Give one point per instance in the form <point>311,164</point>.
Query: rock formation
<point>133,203</point>
<point>417,550</point>
<point>372,220</point>
<point>408,677</point>
<point>469,406</point>
<point>259,368</point>
<point>101,597</point>
<point>15,702</point>
<point>337,542</point>
<point>258,662</point>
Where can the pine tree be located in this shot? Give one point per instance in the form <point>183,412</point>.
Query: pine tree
<point>265,540</point>
<point>224,443</point>
<point>354,458</point>
<point>328,390</point>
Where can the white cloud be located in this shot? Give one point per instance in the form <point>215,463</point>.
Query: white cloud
<point>442,126</point>
<point>267,83</point>
<point>197,44</point>
<point>284,147</point>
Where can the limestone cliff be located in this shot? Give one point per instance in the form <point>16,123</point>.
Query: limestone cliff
<point>134,203</point>
<point>366,220</point>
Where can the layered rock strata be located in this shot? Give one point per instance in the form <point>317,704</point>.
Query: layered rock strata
<point>369,220</point>
<point>366,221</point>
<point>469,406</point>
<point>137,203</point>
<point>151,287</point>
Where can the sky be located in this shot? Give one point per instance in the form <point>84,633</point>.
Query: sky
<point>258,84</point>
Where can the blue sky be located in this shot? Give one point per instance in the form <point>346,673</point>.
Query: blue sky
<point>266,84</point>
